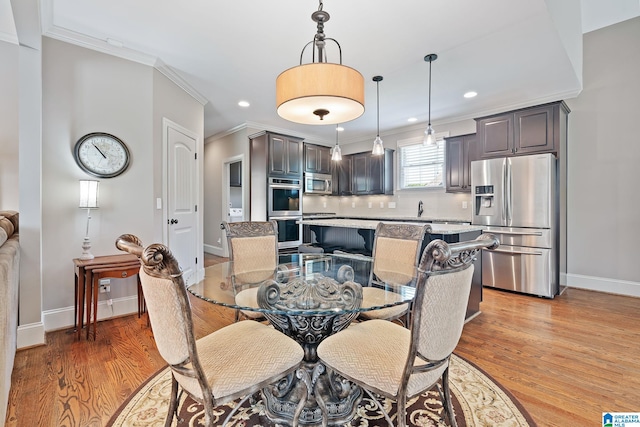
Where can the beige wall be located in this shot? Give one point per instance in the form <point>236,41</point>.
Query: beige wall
<point>604,164</point>
<point>86,91</point>
<point>217,151</point>
<point>9,126</point>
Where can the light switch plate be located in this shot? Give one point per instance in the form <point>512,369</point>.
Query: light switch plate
<point>392,205</point>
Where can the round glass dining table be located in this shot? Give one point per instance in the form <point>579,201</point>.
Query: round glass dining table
<point>308,297</point>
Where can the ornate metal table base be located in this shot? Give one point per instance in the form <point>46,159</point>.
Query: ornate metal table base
<point>328,397</point>
<point>331,394</point>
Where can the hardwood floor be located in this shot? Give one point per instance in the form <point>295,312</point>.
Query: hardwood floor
<point>566,360</point>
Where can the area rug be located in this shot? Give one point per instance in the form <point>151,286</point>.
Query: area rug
<point>478,402</point>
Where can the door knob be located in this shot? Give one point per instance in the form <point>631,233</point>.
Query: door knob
<point>174,221</point>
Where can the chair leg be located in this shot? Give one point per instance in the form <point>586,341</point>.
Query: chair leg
<point>401,410</point>
<point>379,405</point>
<point>234,410</point>
<point>448,407</point>
<point>173,405</point>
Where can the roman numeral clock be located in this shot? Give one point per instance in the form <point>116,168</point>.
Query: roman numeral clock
<point>101,155</point>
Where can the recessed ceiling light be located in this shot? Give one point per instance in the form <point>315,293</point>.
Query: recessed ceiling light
<point>470,94</point>
<point>412,119</point>
<point>243,104</point>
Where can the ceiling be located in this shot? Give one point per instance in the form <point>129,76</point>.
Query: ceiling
<point>514,53</point>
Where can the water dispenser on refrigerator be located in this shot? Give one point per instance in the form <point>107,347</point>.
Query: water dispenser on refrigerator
<point>484,203</point>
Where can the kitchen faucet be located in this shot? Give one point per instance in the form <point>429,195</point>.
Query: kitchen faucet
<point>420,210</point>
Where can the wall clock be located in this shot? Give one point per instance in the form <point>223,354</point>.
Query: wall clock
<point>101,155</point>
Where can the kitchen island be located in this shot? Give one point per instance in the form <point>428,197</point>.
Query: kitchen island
<point>357,236</point>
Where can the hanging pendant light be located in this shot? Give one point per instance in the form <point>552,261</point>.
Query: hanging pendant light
<point>429,134</point>
<point>336,153</point>
<point>320,93</point>
<point>378,147</point>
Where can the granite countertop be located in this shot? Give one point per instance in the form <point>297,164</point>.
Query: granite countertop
<point>371,224</point>
<point>319,215</point>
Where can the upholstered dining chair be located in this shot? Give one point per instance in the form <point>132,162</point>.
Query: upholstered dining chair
<point>396,252</point>
<point>399,363</point>
<point>253,248</point>
<point>232,362</point>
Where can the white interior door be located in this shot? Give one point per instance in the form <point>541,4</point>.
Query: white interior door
<point>182,221</point>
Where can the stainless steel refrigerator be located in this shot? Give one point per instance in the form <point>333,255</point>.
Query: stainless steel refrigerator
<point>517,199</point>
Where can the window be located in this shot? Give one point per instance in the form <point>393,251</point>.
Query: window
<point>421,166</point>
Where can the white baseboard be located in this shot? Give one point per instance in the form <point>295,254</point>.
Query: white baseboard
<point>214,250</point>
<point>64,317</point>
<point>30,335</point>
<point>603,284</point>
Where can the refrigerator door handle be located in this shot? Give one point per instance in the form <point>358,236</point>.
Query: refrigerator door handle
<point>503,207</point>
<point>516,252</point>
<point>519,233</point>
<point>509,192</point>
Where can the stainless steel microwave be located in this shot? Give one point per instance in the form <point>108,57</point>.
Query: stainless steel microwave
<point>317,183</point>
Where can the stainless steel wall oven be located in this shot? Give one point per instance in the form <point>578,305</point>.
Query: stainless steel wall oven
<point>285,207</point>
<point>284,197</point>
<point>289,231</point>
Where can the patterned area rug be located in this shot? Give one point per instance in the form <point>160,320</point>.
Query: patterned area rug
<point>478,401</point>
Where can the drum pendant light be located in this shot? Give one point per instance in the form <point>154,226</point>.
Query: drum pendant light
<point>429,134</point>
<point>336,152</point>
<point>378,148</point>
<point>320,93</point>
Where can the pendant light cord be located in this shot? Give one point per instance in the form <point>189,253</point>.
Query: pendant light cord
<point>378,79</point>
<point>378,105</point>
<point>430,93</point>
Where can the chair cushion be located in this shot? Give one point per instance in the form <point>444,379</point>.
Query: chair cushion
<point>372,296</point>
<point>395,260</point>
<point>240,356</point>
<point>254,258</point>
<point>374,354</point>
<point>249,298</point>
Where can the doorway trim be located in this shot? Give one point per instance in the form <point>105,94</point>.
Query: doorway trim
<point>225,195</point>
<point>166,125</point>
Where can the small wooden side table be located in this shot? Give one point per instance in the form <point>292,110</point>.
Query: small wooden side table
<point>83,269</point>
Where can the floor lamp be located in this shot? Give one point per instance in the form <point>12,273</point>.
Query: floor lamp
<point>88,201</point>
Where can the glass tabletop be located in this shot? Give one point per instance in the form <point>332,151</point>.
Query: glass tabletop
<point>307,284</point>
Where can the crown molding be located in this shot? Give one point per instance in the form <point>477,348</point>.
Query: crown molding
<point>49,29</point>
<point>268,128</point>
<point>9,38</point>
<point>98,45</point>
<point>172,75</point>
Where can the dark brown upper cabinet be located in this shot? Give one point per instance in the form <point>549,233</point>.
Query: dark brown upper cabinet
<point>341,177</point>
<point>372,174</point>
<point>285,156</point>
<point>527,131</point>
<point>460,152</point>
<point>317,159</point>
<point>235,174</point>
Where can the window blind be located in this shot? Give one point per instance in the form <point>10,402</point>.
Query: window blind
<point>422,166</point>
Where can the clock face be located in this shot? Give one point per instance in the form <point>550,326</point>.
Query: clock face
<point>101,155</point>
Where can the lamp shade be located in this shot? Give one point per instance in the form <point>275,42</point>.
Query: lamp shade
<point>89,194</point>
<point>320,94</point>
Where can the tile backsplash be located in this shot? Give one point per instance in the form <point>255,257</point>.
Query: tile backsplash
<point>436,204</point>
